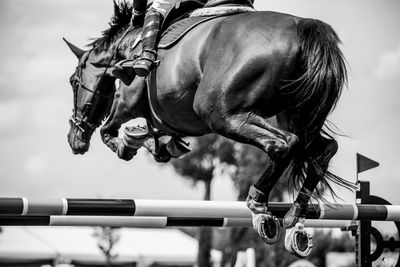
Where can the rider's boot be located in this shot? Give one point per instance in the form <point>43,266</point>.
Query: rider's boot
<point>139,10</point>
<point>147,60</point>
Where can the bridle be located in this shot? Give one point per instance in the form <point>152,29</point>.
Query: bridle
<point>81,120</point>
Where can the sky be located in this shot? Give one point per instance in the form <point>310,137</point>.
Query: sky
<point>36,102</point>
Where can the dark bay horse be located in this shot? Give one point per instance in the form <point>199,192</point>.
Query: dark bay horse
<point>262,78</point>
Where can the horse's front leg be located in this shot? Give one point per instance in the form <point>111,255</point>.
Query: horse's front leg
<point>297,240</point>
<point>127,105</point>
<point>109,131</point>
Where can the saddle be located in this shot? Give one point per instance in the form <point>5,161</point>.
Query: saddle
<point>187,14</point>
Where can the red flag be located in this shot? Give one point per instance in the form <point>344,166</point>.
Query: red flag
<point>364,163</point>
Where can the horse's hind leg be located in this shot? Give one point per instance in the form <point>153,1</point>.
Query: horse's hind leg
<point>279,144</point>
<point>324,150</point>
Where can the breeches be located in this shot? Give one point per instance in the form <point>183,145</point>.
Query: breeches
<point>163,6</point>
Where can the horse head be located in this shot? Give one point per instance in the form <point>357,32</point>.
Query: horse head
<point>93,90</point>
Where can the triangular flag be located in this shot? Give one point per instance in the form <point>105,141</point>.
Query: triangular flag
<point>364,163</point>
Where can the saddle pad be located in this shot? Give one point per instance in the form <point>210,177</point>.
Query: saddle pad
<point>177,30</point>
<point>221,10</point>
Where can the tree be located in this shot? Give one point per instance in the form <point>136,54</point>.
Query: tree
<point>211,155</point>
<point>107,238</point>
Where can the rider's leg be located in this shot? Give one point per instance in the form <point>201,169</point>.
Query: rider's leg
<point>143,65</point>
<point>127,69</point>
<point>139,11</point>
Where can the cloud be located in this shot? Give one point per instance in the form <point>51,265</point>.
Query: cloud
<point>9,112</point>
<point>35,165</point>
<point>388,65</point>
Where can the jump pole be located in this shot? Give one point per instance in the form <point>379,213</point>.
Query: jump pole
<point>150,222</point>
<point>185,208</point>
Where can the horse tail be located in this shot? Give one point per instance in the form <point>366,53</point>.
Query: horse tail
<point>313,95</point>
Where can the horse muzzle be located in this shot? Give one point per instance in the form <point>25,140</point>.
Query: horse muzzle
<point>77,141</point>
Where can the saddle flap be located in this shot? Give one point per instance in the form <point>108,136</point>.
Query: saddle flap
<point>177,30</point>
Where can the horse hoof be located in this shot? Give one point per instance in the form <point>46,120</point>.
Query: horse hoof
<point>126,153</point>
<point>298,241</point>
<point>267,227</point>
<point>162,158</point>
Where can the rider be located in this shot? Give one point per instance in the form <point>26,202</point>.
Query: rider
<point>152,22</point>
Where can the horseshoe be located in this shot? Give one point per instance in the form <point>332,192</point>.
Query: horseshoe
<point>298,241</point>
<point>268,227</point>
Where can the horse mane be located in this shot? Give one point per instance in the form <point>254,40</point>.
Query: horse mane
<point>121,18</point>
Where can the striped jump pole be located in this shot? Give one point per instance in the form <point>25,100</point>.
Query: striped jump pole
<point>186,208</point>
<point>150,222</point>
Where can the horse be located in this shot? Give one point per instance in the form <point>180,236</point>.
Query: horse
<point>262,78</point>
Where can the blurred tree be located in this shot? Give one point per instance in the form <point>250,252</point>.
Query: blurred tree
<point>211,155</point>
<point>107,238</point>
<point>325,242</point>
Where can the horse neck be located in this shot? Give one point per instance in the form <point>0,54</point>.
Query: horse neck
<point>127,43</point>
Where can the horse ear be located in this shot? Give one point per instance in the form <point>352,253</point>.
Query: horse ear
<point>77,51</point>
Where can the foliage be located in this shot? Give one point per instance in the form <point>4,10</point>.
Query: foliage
<point>107,238</point>
<point>211,155</point>
<point>230,241</point>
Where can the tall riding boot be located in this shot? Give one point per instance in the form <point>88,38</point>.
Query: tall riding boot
<point>139,10</point>
<point>144,64</point>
